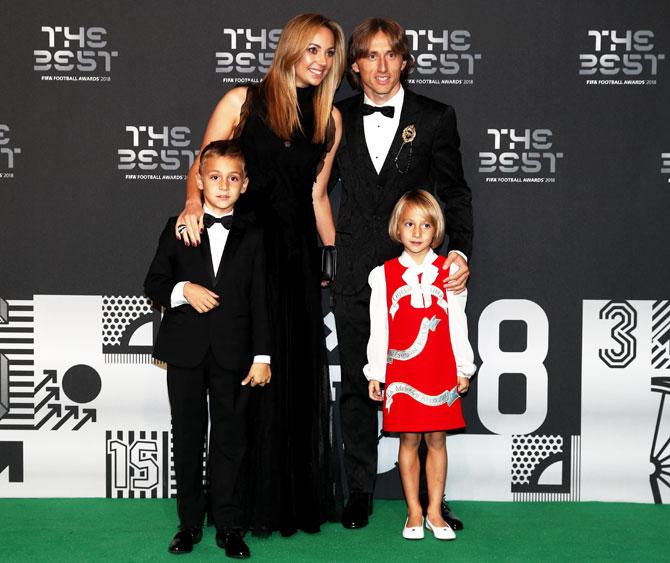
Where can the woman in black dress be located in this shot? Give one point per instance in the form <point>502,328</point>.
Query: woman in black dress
<point>289,132</point>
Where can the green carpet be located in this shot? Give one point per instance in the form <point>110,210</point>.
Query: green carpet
<point>140,530</point>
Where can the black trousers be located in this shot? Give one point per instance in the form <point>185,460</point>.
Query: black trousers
<point>358,413</point>
<point>188,390</point>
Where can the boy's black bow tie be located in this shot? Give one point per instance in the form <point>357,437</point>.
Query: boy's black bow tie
<point>386,111</point>
<point>226,220</point>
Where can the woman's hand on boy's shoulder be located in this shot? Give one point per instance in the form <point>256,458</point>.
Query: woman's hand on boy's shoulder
<point>189,224</point>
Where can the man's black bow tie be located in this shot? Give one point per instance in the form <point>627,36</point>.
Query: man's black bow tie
<point>386,111</point>
<point>226,220</point>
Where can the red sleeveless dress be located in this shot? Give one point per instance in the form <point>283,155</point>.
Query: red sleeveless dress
<point>421,382</point>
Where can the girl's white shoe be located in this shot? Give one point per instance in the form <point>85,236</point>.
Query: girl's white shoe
<point>414,533</point>
<point>445,533</point>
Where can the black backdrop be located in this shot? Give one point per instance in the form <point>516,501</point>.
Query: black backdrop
<point>90,89</point>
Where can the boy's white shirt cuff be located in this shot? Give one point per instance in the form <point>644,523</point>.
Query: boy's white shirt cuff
<point>177,296</point>
<point>262,359</point>
<point>177,299</point>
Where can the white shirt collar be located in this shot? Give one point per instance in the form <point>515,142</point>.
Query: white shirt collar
<point>420,291</point>
<point>395,102</point>
<point>215,213</point>
<point>407,261</point>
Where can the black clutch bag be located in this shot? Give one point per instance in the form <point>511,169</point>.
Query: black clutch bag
<point>328,263</point>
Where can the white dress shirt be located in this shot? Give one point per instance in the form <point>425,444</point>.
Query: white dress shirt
<point>380,130</point>
<point>218,235</point>
<point>420,297</point>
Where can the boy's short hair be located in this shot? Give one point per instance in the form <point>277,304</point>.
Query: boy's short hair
<point>428,205</point>
<point>229,149</point>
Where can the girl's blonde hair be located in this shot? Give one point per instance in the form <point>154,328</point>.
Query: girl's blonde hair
<point>427,205</point>
<point>279,85</point>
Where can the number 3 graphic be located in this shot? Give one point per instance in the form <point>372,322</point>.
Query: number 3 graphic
<point>622,331</point>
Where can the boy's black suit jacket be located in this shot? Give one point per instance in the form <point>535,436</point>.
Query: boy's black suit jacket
<point>433,163</point>
<point>236,330</point>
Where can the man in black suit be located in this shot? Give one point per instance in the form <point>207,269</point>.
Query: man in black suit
<point>215,339</point>
<point>393,141</point>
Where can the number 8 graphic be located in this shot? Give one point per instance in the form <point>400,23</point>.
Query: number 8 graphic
<point>496,362</point>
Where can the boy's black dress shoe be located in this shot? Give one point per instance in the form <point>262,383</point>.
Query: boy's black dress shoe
<point>454,521</point>
<point>232,541</point>
<point>355,514</point>
<point>184,540</point>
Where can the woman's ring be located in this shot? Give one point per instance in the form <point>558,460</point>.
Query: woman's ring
<point>181,228</point>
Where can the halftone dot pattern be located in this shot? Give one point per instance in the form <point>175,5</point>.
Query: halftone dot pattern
<point>118,312</point>
<point>528,451</point>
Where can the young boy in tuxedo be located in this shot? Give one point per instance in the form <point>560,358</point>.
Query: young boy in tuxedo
<point>215,339</point>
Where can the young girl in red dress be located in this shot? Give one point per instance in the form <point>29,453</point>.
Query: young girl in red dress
<point>419,348</point>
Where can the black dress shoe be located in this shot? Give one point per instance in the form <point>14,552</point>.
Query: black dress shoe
<point>355,514</point>
<point>454,521</point>
<point>184,540</point>
<point>232,541</point>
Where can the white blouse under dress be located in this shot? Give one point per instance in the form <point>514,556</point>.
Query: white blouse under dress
<point>377,350</point>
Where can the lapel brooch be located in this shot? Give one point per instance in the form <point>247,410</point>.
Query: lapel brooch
<point>408,136</point>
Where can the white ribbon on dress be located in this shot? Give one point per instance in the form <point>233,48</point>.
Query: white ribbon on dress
<point>405,290</point>
<point>449,396</point>
<point>419,343</point>
<point>420,291</point>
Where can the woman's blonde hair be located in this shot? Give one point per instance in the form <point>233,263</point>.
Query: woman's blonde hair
<point>279,85</point>
<point>427,205</point>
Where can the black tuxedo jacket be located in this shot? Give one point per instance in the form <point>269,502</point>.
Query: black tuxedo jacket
<point>434,164</point>
<point>236,330</point>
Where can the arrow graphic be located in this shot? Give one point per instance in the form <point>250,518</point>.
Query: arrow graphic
<point>88,414</point>
<point>53,410</point>
<point>50,378</point>
<point>52,393</point>
<point>72,412</point>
